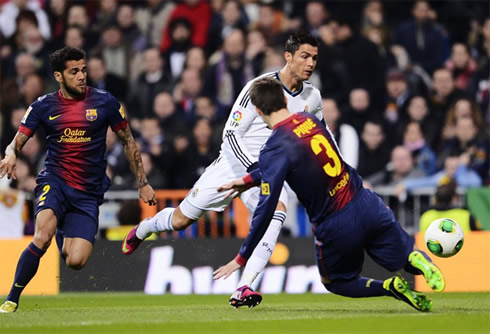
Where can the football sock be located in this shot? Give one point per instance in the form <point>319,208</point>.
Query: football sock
<point>358,287</point>
<point>411,269</point>
<point>161,222</point>
<point>26,269</point>
<point>262,253</point>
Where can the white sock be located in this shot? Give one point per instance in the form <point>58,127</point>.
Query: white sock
<point>161,222</point>
<point>262,253</point>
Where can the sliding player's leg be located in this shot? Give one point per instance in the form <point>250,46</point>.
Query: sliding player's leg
<point>201,198</point>
<point>244,295</point>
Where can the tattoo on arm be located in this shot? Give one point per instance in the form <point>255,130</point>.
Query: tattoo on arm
<point>133,155</point>
<point>17,144</point>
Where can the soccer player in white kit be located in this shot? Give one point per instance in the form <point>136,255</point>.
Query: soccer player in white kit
<point>243,136</point>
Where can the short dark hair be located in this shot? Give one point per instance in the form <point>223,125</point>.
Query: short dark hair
<point>267,94</point>
<point>446,190</point>
<point>59,58</point>
<point>297,39</point>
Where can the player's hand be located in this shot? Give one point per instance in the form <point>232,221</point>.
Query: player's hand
<point>226,270</point>
<point>236,187</point>
<point>147,194</point>
<point>7,166</point>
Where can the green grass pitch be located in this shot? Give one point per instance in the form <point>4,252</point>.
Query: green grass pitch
<point>93,313</point>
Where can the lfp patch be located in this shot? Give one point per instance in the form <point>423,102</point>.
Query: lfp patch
<point>266,190</point>
<point>237,116</point>
<point>91,114</point>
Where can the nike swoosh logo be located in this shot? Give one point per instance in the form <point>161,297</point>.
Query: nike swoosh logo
<point>19,286</point>
<point>53,117</point>
<point>124,246</point>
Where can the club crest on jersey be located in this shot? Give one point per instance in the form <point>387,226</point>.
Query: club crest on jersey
<point>265,188</point>
<point>236,118</point>
<point>91,114</point>
<point>306,108</point>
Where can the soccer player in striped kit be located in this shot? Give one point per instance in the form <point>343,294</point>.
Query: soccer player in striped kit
<point>243,137</point>
<point>72,184</point>
<point>347,219</point>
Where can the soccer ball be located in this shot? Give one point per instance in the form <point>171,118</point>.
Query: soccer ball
<point>444,237</point>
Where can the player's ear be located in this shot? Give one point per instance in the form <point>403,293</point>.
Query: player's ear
<point>288,56</point>
<point>58,77</point>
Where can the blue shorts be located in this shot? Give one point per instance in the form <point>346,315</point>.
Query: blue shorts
<point>77,212</point>
<point>365,224</point>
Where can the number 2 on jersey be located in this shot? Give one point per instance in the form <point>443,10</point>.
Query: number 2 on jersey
<point>46,188</point>
<point>321,144</point>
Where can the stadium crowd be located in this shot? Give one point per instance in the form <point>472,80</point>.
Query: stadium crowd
<point>405,85</point>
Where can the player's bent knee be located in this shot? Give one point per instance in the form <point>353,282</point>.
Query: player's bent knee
<point>180,221</point>
<point>281,206</point>
<point>76,263</point>
<point>42,240</point>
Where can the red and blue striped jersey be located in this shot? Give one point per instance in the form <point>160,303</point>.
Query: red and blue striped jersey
<point>304,153</point>
<point>76,131</point>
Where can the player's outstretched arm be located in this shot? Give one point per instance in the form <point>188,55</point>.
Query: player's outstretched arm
<point>146,192</point>
<point>7,165</point>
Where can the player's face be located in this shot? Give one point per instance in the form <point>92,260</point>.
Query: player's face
<point>303,62</point>
<point>74,77</point>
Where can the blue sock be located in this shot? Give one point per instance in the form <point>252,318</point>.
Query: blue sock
<point>358,287</point>
<point>26,269</point>
<point>411,269</point>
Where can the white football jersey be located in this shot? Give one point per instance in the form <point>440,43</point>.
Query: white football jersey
<point>245,132</point>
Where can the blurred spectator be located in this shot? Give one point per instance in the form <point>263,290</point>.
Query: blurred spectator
<point>99,78</point>
<point>418,111</point>
<point>358,111</point>
<point>126,23</point>
<point>57,11</point>
<point>373,17</point>
<point>345,135</point>
<point>272,23</point>
<point>152,17</point>
<point>397,95</point>
<point>25,177</point>
<point>192,162</point>
<point>332,69</point>
<point>116,161</point>
<point>454,167</point>
<point>447,205</point>
<point>315,16</point>
<point>34,153</point>
<point>362,61</point>
<point>225,79</point>
<point>413,139</point>
<point>105,14</point>
<point>180,33</point>
<point>34,44</point>
<point>115,51</point>
<point>156,178</point>
<point>77,15</point>
<point>170,121</point>
<point>206,109</point>
<point>374,153</point>
<point>471,145</point>
<point>196,59</point>
<point>400,169</point>
<point>32,88</point>
<point>153,80</point>
<point>152,137</point>
<point>422,38</point>
<point>198,14</point>
<point>462,65</point>
<point>12,211</point>
<point>256,50</point>
<point>11,124</point>
<point>11,10</point>
<point>223,22</point>
<point>444,94</point>
<point>74,37</point>
<point>463,107</point>
<point>186,92</point>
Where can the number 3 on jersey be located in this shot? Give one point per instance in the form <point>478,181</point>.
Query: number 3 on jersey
<point>321,144</point>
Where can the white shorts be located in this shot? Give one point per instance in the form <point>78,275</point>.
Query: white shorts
<point>204,197</point>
